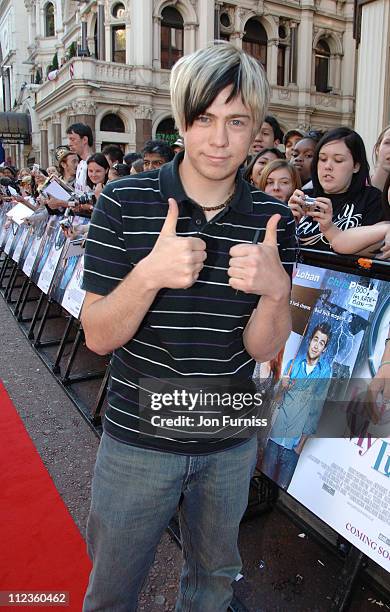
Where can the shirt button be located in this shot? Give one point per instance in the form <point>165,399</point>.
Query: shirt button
<point>198,221</point>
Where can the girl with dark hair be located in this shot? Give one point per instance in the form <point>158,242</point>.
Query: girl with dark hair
<point>97,177</point>
<point>254,169</point>
<point>97,168</point>
<point>342,195</point>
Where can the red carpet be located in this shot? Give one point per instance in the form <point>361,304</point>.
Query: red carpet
<point>41,548</point>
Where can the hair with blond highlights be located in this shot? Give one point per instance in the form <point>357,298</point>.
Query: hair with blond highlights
<point>197,79</point>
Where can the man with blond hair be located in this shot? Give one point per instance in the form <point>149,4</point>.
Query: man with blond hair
<point>187,273</point>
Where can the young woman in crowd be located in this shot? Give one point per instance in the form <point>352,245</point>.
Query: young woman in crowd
<point>280,179</point>
<point>343,198</point>
<point>98,168</point>
<point>381,159</point>
<point>253,171</point>
<point>97,176</point>
<point>302,157</point>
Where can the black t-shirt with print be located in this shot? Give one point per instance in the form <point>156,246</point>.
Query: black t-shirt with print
<point>348,211</point>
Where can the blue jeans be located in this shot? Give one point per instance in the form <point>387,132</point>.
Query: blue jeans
<point>135,492</point>
<point>279,463</point>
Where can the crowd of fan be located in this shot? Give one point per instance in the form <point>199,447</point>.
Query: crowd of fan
<point>324,177</point>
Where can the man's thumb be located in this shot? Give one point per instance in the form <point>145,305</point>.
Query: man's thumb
<point>169,227</point>
<point>270,237</point>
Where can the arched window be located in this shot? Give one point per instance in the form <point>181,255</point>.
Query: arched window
<point>49,20</point>
<point>255,41</point>
<point>118,10</point>
<point>166,131</point>
<point>112,123</point>
<point>322,60</point>
<point>171,37</point>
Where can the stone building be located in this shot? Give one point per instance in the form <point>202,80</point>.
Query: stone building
<point>107,62</point>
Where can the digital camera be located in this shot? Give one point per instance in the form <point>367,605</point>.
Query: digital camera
<point>308,204</point>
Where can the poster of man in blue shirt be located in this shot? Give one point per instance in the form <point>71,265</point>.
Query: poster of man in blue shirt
<point>303,391</point>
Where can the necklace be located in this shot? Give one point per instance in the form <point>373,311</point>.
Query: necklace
<point>219,206</point>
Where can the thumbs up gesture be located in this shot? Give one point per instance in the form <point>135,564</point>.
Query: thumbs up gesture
<point>256,268</point>
<point>175,261</point>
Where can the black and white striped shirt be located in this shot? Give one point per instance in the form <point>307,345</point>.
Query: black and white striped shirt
<point>196,332</point>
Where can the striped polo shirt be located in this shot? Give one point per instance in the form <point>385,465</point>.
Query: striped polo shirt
<point>193,333</point>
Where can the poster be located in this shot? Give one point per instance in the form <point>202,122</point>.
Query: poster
<point>346,483</point>
<point>11,238</point>
<point>74,296</point>
<point>330,457</point>
<point>19,243</point>
<point>5,224</point>
<point>28,257</point>
<point>48,240</point>
<point>71,254</point>
<point>52,253</point>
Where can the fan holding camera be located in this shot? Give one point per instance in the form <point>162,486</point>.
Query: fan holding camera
<point>342,197</point>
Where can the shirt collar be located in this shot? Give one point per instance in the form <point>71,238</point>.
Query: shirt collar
<point>171,186</point>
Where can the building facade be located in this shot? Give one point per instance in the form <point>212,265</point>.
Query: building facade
<point>107,62</point>
<point>373,37</point>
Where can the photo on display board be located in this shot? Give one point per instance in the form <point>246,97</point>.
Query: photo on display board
<point>324,447</point>
<point>331,312</point>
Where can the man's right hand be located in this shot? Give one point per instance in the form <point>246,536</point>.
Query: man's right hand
<point>175,261</point>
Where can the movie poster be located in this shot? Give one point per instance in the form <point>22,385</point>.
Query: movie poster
<point>48,240</point>
<point>71,254</point>
<point>11,238</point>
<point>319,449</point>
<point>345,482</point>
<point>54,246</point>
<point>73,295</point>
<point>26,247</point>
<point>5,224</point>
<point>19,243</point>
<point>33,247</point>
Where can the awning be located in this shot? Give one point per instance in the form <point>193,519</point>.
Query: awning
<point>15,128</point>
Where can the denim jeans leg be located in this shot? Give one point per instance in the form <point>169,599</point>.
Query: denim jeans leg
<point>134,494</point>
<point>270,459</point>
<point>288,463</point>
<point>215,499</point>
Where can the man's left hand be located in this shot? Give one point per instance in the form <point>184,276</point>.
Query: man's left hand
<point>257,269</point>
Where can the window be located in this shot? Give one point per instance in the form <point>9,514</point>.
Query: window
<point>171,37</point>
<point>49,20</point>
<point>112,123</point>
<point>118,10</point>
<point>255,41</point>
<point>281,65</point>
<point>119,44</point>
<point>322,59</point>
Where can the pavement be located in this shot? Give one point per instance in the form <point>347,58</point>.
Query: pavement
<point>282,571</point>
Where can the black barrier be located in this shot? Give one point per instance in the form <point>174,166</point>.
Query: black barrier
<point>47,271</point>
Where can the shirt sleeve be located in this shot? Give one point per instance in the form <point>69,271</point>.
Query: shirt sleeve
<point>106,262</point>
<point>373,212</point>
